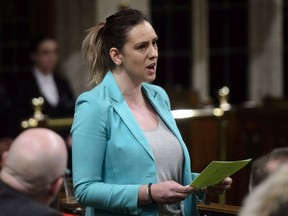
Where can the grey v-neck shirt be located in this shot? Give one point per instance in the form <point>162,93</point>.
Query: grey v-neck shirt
<point>168,155</point>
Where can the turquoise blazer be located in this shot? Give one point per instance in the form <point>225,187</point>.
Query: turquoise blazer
<point>111,156</point>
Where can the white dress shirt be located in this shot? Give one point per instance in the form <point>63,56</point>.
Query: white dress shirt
<point>47,86</point>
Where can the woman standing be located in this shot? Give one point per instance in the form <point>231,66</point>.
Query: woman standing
<point>128,155</point>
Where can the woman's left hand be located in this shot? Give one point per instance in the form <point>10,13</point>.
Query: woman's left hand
<point>220,188</point>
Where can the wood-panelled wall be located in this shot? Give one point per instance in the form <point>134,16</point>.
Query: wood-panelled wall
<point>239,134</point>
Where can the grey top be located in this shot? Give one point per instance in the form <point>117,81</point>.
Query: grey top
<point>168,155</point>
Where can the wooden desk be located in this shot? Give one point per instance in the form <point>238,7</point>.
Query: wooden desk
<point>73,207</point>
<point>215,209</point>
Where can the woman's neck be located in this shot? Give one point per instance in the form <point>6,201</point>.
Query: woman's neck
<point>130,89</point>
<point>143,112</point>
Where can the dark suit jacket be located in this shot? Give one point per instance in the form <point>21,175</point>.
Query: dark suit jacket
<point>14,203</point>
<point>28,89</point>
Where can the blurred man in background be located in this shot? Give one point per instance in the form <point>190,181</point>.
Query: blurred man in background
<point>43,81</point>
<point>264,166</point>
<point>270,198</point>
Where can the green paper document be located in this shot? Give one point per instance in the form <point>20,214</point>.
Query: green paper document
<point>216,172</point>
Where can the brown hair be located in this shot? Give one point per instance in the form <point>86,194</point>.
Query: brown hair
<point>38,40</point>
<point>101,38</point>
<point>259,171</point>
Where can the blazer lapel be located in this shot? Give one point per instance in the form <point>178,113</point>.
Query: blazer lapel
<point>161,108</point>
<point>163,112</point>
<point>122,109</point>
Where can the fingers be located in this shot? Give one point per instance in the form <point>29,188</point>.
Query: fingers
<point>228,181</point>
<point>220,188</point>
<point>182,189</point>
<point>170,192</point>
<point>181,192</point>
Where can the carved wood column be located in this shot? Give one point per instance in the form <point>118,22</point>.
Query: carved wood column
<point>265,49</point>
<point>200,47</point>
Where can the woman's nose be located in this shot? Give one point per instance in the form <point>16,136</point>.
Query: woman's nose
<point>153,52</point>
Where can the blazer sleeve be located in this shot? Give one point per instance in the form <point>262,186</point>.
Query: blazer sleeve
<point>89,138</point>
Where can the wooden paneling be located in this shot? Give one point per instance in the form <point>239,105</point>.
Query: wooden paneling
<point>218,210</point>
<point>201,138</point>
<point>239,134</point>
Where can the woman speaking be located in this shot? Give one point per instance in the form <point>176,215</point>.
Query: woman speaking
<point>128,155</point>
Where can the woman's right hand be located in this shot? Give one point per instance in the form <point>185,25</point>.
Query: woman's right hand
<point>170,192</point>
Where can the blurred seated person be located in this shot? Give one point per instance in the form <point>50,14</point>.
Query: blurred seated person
<point>32,173</point>
<point>267,164</point>
<point>270,198</point>
<point>42,81</point>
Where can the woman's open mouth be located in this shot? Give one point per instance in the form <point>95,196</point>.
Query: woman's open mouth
<point>151,68</point>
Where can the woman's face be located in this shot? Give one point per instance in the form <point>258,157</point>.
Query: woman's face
<point>140,53</point>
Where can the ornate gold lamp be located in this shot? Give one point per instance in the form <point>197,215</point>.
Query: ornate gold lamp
<point>38,116</point>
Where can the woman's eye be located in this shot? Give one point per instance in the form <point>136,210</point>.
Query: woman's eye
<point>141,47</point>
<point>154,43</point>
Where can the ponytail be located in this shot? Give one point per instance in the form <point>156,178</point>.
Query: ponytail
<point>101,38</point>
<point>94,51</point>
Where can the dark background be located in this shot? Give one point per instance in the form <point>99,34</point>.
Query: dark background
<point>228,40</point>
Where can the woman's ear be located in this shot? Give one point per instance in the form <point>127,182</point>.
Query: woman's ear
<point>116,56</point>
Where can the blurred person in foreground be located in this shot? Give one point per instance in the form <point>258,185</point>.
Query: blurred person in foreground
<point>264,166</point>
<point>128,154</point>
<point>32,173</point>
<point>270,198</point>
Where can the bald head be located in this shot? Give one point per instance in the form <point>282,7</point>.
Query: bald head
<point>37,157</point>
